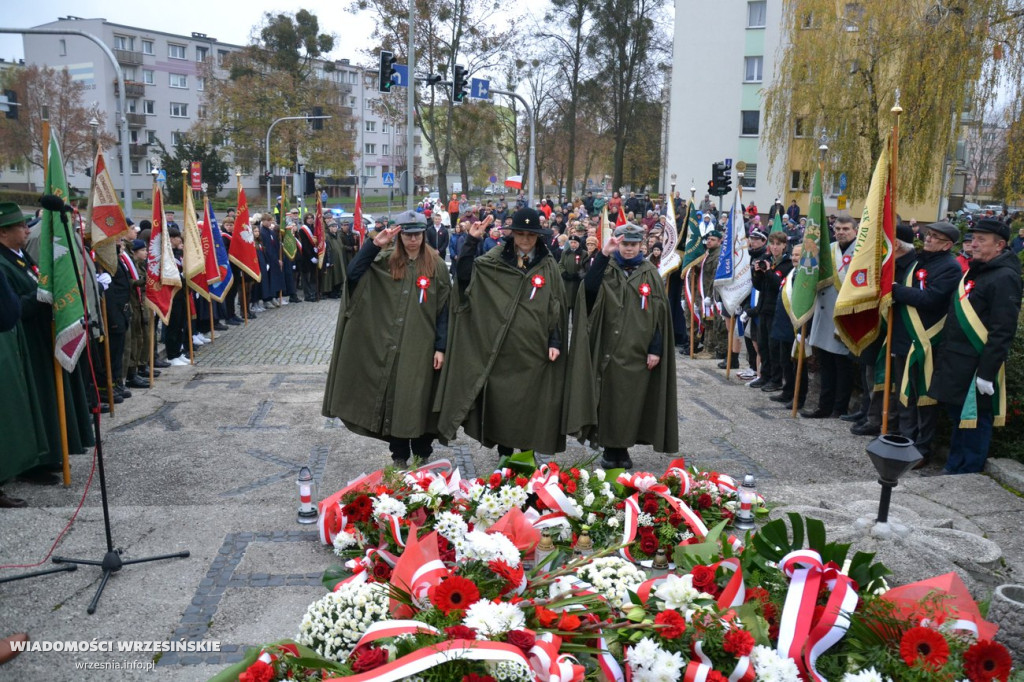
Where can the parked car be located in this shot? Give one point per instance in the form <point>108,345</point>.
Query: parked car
<point>996,208</point>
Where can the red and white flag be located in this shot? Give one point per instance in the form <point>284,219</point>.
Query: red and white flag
<point>107,220</point>
<point>162,278</point>
<point>357,219</point>
<point>242,250</point>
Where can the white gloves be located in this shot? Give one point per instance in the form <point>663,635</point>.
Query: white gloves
<point>744,317</point>
<point>985,387</point>
<point>104,280</point>
<point>707,300</point>
<point>313,261</point>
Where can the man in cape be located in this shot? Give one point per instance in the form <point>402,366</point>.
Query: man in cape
<point>332,275</point>
<point>508,332</point>
<point>622,374</point>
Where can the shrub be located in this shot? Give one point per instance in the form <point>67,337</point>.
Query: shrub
<point>1009,440</point>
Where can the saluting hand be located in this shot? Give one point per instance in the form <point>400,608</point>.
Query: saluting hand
<point>384,237</point>
<point>611,246</point>
<point>479,229</point>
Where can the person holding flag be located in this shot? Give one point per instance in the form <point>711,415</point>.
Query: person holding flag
<point>309,257</point>
<point>243,252</point>
<point>693,249</point>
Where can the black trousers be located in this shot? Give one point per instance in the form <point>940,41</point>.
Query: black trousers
<point>675,304</point>
<point>308,276</point>
<point>837,374</point>
<point>780,352</point>
<point>116,340</point>
<point>174,338</point>
<point>232,295</point>
<point>422,447</point>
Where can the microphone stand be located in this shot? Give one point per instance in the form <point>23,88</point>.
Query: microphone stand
<point>112,561</point>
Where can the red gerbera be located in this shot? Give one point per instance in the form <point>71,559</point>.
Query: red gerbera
<point>986,661</point>
<point>924,644</point>
<point>512,575</point>
<point>739,643</point>
<point>673,624</point>
<point>454,594</point>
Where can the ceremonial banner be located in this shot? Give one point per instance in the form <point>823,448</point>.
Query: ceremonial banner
<point>357,219</point>
<point>162,277</point>
<point>193,261</point>
<point>732,278</point>
<point>777,221</point>
<point>58,262</point>
<point>318,233</point>
<point>814,271</point>
<point>243,245</point>
<point>107,220</point>
<point>219,288</point>
<point>693,256</point>
<point>866,294</point>
<point>289,244</point>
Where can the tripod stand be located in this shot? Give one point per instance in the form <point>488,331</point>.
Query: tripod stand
<point>111,562</point>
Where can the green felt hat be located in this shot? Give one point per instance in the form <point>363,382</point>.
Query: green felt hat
<point>10,214</point>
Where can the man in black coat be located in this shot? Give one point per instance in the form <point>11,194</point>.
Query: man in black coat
<point>307,259</point>
<point>980,326</point>
<point>921,294</point>
<point>119,317</point>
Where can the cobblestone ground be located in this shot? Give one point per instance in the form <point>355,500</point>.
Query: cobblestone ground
<point>207,460</point>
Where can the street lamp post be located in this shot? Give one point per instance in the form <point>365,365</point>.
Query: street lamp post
<point>276,121</point>
<point>533,141</point>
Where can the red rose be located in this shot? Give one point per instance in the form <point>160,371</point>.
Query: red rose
<point>381,571</point>
<point>473,677</point>
<point>495,480</point>
<point>258,672</point>
<point>570,487</point>
<point>690,541</point>
<point>651,506</point>
<point>521,639</point>
<point>739,643</point>
<point>620,505</point>
<point>675,518</point>
<point>649,544</point>
<point>673,624</point>
<point>704,578</point>
<point>460,632</point>
<point>646,531</point>
<point>704,501</point>
<point>369,658</point>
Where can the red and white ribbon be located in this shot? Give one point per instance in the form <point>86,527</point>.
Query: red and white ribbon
<point>395,628</point>
<point>332,520</point>
<point>423,283</point>
<point>550,666</point>
<point>922,276</point>
<point>735,591</point>
<point>801,637</point>
<point>537,281</point>
<point>438,654</point>
<point>645,291</point>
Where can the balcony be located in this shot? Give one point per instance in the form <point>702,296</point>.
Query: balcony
<point>135,120</point>
<point>131,88</point>
<point>128,57</point>
<point>137,151</point>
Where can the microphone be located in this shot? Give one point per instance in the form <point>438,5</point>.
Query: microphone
<point>52,202</point>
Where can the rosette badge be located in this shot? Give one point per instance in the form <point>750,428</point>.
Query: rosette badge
<point>538,282</point>
<point>645,291</point>
<point>423,283</point>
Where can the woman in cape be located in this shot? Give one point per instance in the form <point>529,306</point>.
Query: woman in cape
<point>391,340</point>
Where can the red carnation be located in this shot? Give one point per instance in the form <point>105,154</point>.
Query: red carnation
<point>445,549</point>
<point>495,480</point>
<point>704,501</point>
<point>651,506</point>
<point>369,658</point>
<point>675,518</point>
<point>259,671</point>
<point>381,572</point>
<point>704,578</point>
<point>926,645</point>
<point>563,478</point>
<point>770,611</point>
<point>521,639</point>
<point>570,487</point>
<point>521,481</point>
<point>986,661</point>
<point>473,677</point>
<point>715,676</point>
<point>649,544</point>
<point>454,594</point>
<point>739,643</point>
<point>673,624</point>
<point>574,472</point>
<point>460,632</point>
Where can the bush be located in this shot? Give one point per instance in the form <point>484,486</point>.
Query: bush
<point>1009,440</point>
<point>20,197</point>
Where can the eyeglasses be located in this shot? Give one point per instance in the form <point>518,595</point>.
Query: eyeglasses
<point>937,237</point>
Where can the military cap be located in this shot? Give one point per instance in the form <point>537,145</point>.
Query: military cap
<point>411,222</point>
<point>996,227</point>
<point>947,230</point>
<point>10,214</point>
<point>630,233</point>
<point>528,220</point>
<point>758,234</point>
<point>713,233</point>
<point>138,244</point>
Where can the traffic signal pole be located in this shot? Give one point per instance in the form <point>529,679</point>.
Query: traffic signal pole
<point>410,156</point>
<point>533,142</point>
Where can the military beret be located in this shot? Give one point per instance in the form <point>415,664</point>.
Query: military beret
<point>138,244</point>
<point>713,233</point>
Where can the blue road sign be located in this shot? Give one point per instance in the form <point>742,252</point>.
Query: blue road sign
<point>400,79</point>
<point>728,163</point>
<point>842,182</point>
<point>480,88</point>
<point>161,176</point>
<point>493,179</point>
<point>388,179</point>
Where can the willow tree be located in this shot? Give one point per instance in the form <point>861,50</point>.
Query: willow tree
<point>843,63</point>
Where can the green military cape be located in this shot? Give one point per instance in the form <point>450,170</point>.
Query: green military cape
<point>334,275</point>
<point>499,384</point>
<point>612,398</point>
<point>569,266</point>
<point>24,433</point>
<point>37,325</point>
<point>381,382</point>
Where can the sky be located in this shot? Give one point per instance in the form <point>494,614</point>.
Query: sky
<point>229,22</point>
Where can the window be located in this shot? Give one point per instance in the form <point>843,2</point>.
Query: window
<point>179,80</point>
<point>132,104</point>
<point>749,179</point>
<point>853,15</point>
<point>371,126</point>
<point>384,127</point>
<point>384,149</point>
<point>148,77</point>
<point>809,21</point>
<point>147,47</point>
<point>833,185</point>
<point>201,111</point>
<point>756,14</point>
<point>135,166</point>
<point>138,194</point>
<point>202,53</point>
<point>179,110</point>
<point>176,137</point>
<point>351,101</point>
<point>369,148</point>
<point>200,82</point>
<point>126,43</point>
<point>752,69</point>
<point>150,138</point>
<point>800,127</point>
<point>798,181</point>
<point>63,44</point>
<point>175,51</point>
<point>370,103</point>
<point>44,113</point>
<point>221,56</point>
<point>149,107</point>
<point>353,78</point>
<point>371,171</point>
<point>129,73</point>
<point>751,122</point>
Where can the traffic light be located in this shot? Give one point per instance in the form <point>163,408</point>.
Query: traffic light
<point>317,123</point>
<point>726,180</point>
<point>310,182</point>
<point>12,103</point>
<point>459,84</point>
<point>721,180</point>
<point>386,75</point>
<point>266,176</point>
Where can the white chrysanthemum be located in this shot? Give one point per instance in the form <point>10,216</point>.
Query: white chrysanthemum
<point>488,547</point>
<point>667,666</point>
<point>451,526</point>
<point>385,504</point>
<point>869,675</point>
<point>343,541</point>
<point>511,671</point>
<point>771,667</point>
<point>678,592</point>
<point>644,652</point>
<point>334,624</point>
<point>613,578</point>
<point>612,522</point>
<point>588,499</point>
<point>491,620</point>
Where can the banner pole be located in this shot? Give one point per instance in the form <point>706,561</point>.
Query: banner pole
<point>188,295</point>
<point>728,352</point>
<point>152,346</point>
<point>799,368</point>
<point>694,328</point>
<point>896,110</point>
<point>245,303</point>
<point>106,356</point>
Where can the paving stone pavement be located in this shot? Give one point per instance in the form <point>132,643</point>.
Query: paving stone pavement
<point>206,461</point>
